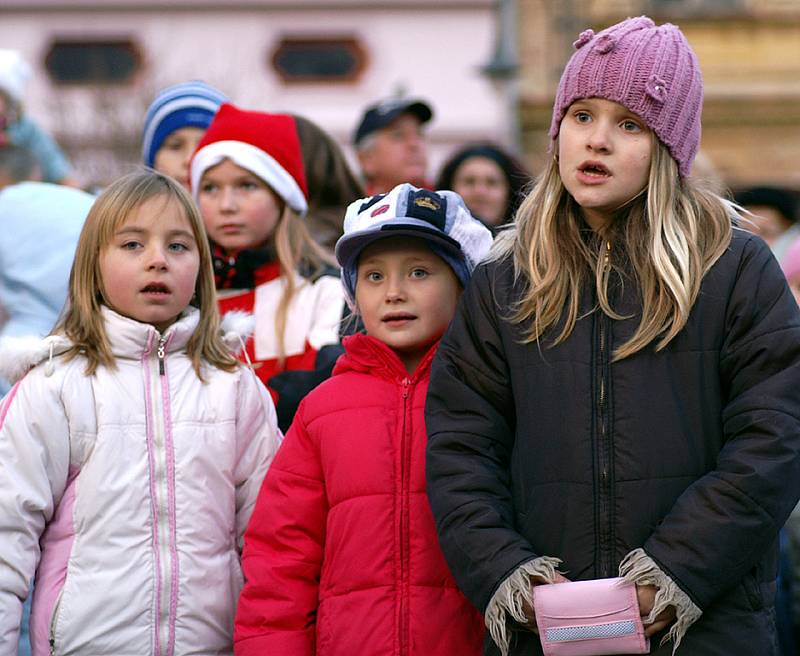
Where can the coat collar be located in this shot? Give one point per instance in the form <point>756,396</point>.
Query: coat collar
<point>366,354</point>
<point>132,339</point>
<point>128,338</point>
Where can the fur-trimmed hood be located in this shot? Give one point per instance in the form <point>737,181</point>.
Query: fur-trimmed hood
<point>19,354</point>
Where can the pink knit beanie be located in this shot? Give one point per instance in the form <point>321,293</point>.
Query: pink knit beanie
<point>649,69</point>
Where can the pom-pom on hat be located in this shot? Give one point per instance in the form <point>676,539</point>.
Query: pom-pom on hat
<point>652,70</point>
<point>185,105</point>
<point>439,217</point>
<point>267,145</point>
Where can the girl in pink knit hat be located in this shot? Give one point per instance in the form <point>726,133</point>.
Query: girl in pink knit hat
<point>618,396</point>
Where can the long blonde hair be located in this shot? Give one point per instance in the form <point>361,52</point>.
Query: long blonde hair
<point>671,233</point>
<point>82,321</point>
<point>297,252</point>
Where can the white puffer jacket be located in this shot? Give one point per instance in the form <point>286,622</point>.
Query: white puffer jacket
<point>138,483</point>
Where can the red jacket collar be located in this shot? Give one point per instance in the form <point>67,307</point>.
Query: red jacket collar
<point>367,354</point>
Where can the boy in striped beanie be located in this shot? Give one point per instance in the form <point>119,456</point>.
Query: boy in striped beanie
<point>174,124</point>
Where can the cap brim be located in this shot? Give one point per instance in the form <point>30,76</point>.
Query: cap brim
<point>349,247</point>
<point>419,109</point>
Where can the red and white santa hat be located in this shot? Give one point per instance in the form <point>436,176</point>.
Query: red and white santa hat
<point>265,144</point>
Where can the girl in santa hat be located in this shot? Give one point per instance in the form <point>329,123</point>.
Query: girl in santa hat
<point>247,176</point>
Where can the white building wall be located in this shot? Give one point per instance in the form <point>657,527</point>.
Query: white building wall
<point>432,50</point>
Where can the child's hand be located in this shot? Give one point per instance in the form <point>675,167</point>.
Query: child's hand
<point>646,594</point>
<point>529,612</point>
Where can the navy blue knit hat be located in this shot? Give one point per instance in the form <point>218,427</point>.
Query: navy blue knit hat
<point>186,105</point>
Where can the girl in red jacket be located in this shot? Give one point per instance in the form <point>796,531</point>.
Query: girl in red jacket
<point>341,556</point>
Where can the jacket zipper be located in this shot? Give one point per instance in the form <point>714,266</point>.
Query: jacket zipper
<point>161,353</point>
<point>161,502</point>
<point>404,519</point>
<point>53,622</point>
<point>604,450</point>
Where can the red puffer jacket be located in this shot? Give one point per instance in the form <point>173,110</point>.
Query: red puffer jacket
<point>341,555</point>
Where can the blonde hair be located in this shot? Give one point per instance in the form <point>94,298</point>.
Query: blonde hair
<point>671,233</point>
<point>82,321</point>
<point>297,252</point>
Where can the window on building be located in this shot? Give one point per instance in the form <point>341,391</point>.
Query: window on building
<point>298,59</point>
<point>93,62</point>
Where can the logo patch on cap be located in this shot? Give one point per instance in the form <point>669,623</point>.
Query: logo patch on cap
<point>428,206</point>
<point>428,203</point>
<point>379,210</point>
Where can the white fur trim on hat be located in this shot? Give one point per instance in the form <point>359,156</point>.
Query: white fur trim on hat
<point>254,160</point>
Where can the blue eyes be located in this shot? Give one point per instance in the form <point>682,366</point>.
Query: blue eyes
<point>418,274</point>
<point>627,125</point>
<point>175,247</point>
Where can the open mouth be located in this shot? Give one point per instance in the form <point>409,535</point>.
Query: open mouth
<point>155,288</point>
<point>398,317</point>
<point>594,169</point>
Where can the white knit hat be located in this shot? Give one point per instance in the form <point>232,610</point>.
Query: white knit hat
<point>14,73</point>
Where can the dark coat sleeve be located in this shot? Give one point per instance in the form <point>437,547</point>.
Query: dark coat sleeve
<point>723,524</point>
<point>470,421</point>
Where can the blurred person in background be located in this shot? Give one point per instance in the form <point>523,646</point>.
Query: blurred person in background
<point>39,227</point>
<point>791,268</point>
<point>491,181</point>
<point>174,124</point>
<point>773,216</point>
<point>391,146</point>
<point>332,185</point>
<point>18,129</point>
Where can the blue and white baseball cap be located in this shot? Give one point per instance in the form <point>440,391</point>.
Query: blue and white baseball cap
<point>439,217</point>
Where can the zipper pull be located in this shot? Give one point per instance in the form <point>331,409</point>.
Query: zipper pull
<point>406,383</point>
<point>52,647</point>
<point>607,256</point>
<point>161,353</point>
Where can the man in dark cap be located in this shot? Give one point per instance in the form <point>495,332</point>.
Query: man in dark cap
<point>390,144</point>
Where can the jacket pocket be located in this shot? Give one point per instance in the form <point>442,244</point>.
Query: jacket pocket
<point>54,623</point>
<point>752,589</point>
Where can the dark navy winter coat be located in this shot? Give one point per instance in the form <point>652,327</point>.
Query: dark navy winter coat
<point>692,453</point>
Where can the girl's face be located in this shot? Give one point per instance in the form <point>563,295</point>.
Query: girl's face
<point>603,157</point>
<point>239,209</point>
<point>406,296</point>
<point>173,157</point>
<point>484,188</point>
<point>148,271</point>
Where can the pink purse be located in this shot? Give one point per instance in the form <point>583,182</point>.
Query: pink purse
<point>589,618</point>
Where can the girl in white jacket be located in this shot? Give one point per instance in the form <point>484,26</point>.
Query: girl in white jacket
<point>132,452</point>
